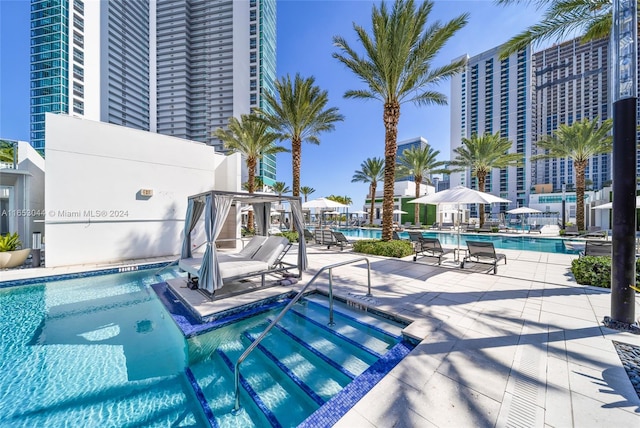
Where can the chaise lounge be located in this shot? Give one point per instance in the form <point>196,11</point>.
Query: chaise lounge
<point>260,256</point>
<point>430,247</point>
<point>483,252</point>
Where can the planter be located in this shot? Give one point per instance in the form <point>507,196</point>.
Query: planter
<point>11,259</point>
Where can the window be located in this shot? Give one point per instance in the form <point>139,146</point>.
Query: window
<point>252,57</point>
<point>253,85</point>
<point>252,43</point>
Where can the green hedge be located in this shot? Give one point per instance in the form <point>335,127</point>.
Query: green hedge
<point>383,248</point>
<point>291,236</point>
<point>596,271</point>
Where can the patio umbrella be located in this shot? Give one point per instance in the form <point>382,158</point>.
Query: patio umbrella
<point>609,206</point>
<point>323,203</point>
<point>459,195</point>
<point>523,211</point>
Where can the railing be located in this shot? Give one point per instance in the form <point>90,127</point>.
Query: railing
<point>277,319</point>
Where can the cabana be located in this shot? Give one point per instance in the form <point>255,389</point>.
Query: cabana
<point>216,206</point>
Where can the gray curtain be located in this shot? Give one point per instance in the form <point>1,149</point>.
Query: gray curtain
<point>262,212</point>
<point>298,224</point>
<point>216,211</point>
<point>194,211</point>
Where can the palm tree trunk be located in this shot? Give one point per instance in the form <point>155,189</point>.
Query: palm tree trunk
<point>416,207</point>
<point>296,160</point>
<point>251,167</point>
<point>579,168</point>
<point>481,177</point>
<point>372,186</point>
<point>391,116</point>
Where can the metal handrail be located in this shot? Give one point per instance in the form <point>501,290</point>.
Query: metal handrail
<point>277,319</point>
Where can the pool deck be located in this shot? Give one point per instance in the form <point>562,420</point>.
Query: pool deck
<point>525,347</point>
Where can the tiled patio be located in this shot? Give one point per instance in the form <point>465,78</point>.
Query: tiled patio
<point>525,347</point>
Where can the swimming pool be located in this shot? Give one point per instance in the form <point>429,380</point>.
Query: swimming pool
<point>508,242</point>
<point>104,351</point>
<point>97,351</point>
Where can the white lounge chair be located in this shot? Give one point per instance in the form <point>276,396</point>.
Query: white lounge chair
<point>264,260</point>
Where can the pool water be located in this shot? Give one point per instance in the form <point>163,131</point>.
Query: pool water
<point>104,351</point>
<point>299,366</point>
<point>515,242</point>
<point>98,351</point>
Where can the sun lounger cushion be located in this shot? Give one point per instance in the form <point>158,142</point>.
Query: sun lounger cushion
<point>228,268</point>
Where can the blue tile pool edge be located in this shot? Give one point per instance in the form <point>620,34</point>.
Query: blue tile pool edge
<point>85,274</point>
<point>208,413</point>
<point>342,402</point>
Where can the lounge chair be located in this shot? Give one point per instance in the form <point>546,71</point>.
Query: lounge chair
<point>396,237</point>
<point>430,247</point>
<point>308,236</point>
<point>414,238</point>
<point>324,236</point>
<point>535,228</point>
<point>483,252</point>
<point>597,248</point>
<point>340,240</point>
<point>486,228</point>
<point>571,231</point>
<point>266,259</point>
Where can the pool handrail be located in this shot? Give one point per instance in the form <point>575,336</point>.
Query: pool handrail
<point>282,313</point>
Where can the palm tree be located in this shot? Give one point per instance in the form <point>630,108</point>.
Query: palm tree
<point>299,114</point>
<point>481,154</point>
<point>250,137</point>
<point>593,18</point>
<point>579,142</point>
<point>397,69</point>
<point>371,171</point>
<point>258,184</point>
<point>306,191</point>
<point>419,162</point>
<point>280,188</point>
<point>345,200</point>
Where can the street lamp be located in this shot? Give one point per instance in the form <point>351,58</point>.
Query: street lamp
<point>624,82</point>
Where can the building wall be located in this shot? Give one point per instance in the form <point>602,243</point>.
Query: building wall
<point>571,84</point>
<point>96,212</point>
<point>494,96</point>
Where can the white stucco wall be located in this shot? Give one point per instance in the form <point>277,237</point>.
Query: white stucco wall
<point>95,173</point>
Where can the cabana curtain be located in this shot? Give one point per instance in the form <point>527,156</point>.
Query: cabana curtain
<point>216,206</point>
<point>216,210</point>
<point>194,211</point>
<point>262,212</point>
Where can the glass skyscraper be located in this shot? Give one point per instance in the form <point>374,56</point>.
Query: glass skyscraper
<point>176,67</point>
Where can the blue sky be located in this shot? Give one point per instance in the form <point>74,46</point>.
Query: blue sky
<point>305,32</point>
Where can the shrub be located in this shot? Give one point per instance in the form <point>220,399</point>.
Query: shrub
<point>290,235</point>
<point>383,248</point>
<point>591,270</point>
<point>10,242</point>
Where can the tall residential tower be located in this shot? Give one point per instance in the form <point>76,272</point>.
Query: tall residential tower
<point>176,67</point>
<point>494,96</point>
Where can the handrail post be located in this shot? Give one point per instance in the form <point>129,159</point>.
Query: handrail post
<point>368,278</point>
<point>331,323</point>
<point>254,344</point>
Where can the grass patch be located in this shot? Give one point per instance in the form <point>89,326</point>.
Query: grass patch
<point>376,247</point>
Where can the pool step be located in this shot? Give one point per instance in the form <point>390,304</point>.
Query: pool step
<point>298,367</point>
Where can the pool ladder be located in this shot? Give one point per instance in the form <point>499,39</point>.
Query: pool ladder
<point>277,319</point>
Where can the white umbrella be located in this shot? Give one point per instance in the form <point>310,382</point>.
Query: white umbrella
<point>323,203</point>
<point>331,212</point>
<point>524,210</point>
<point>609,206</point>
<point>400,212</point>
<point>359,212</point>
<point>459,195</point>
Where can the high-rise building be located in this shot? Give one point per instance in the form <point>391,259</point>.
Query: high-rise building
<point>176,67</point>
<point>494,96</point>
<point>90,60</point>
<point>571,84</point>
<point>418,142</point>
